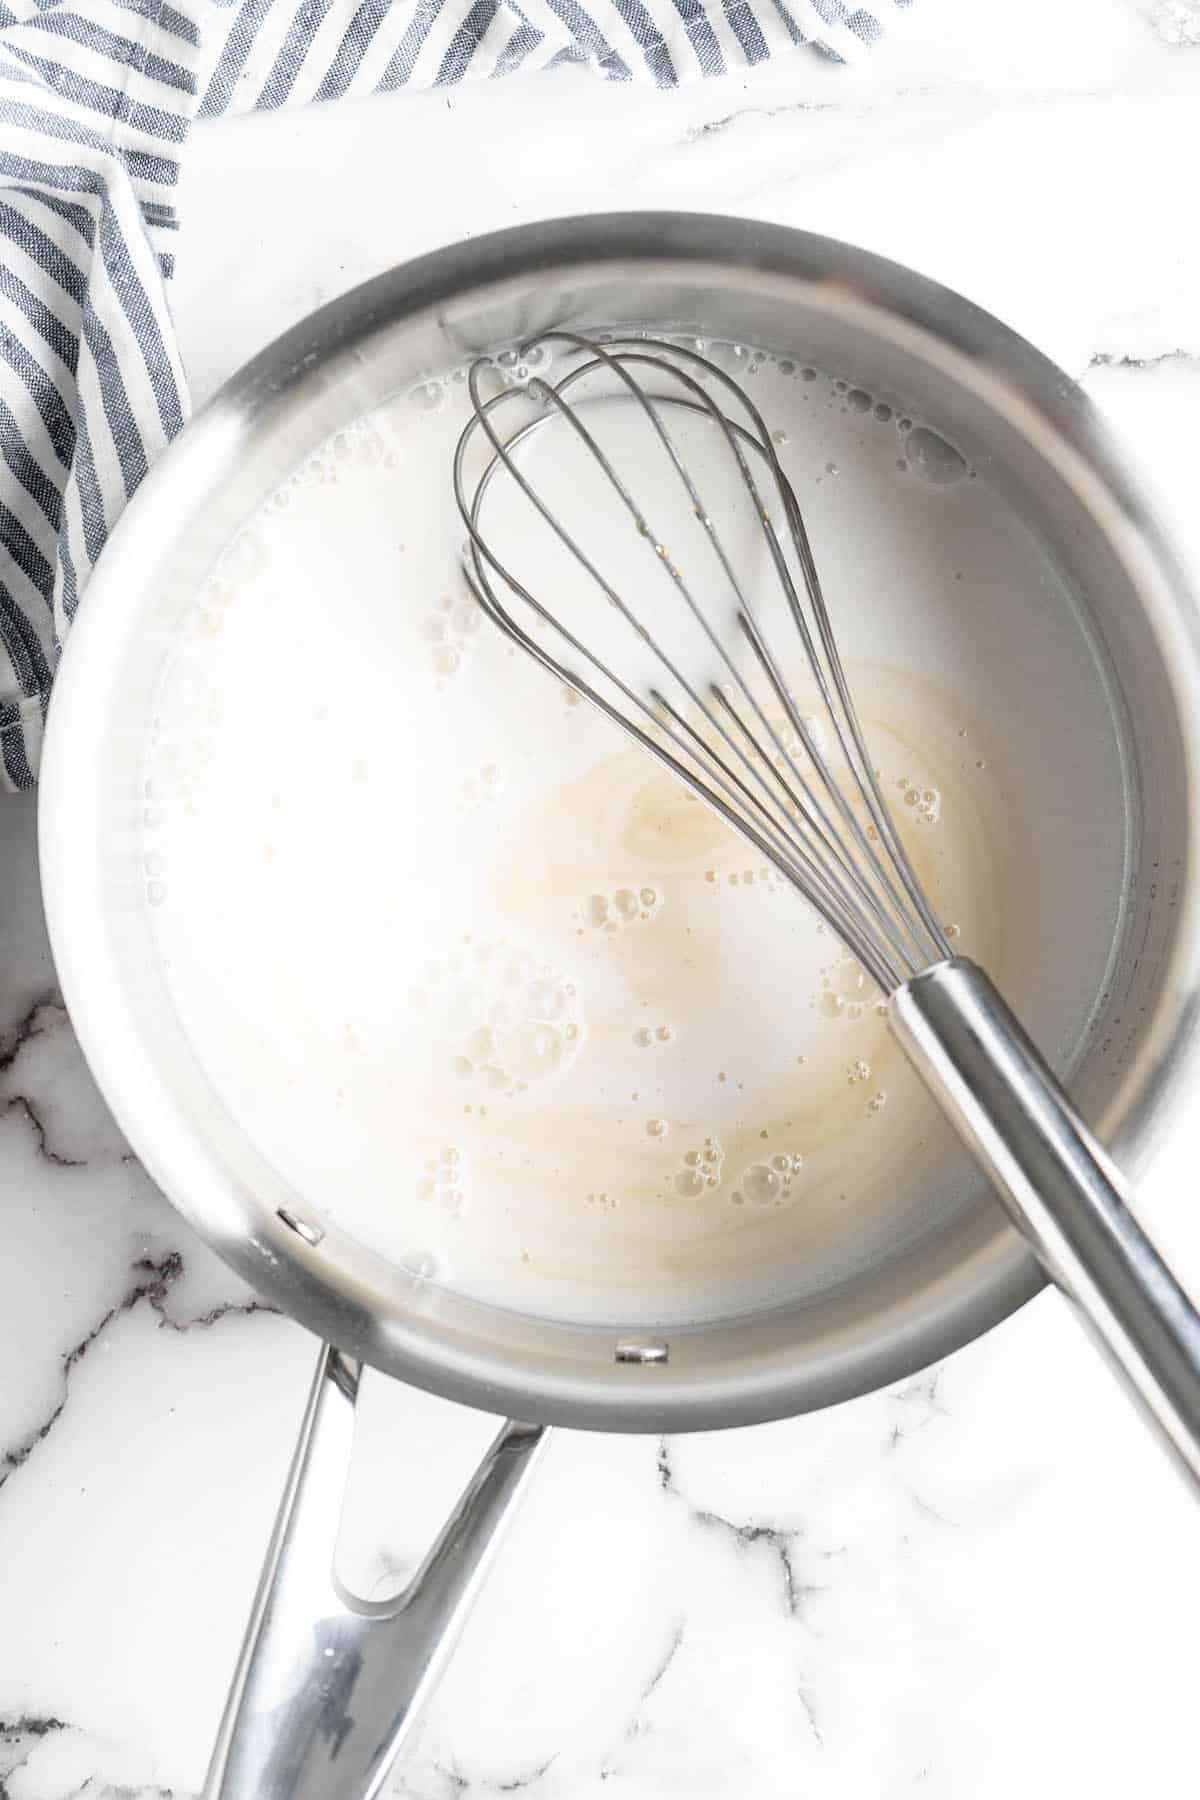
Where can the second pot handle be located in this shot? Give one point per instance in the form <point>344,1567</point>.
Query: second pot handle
<point>1060,1188</point>
<point>328,1684</point>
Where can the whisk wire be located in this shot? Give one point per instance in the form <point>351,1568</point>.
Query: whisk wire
<point>860,762</point>
<point>859,877</point>
<point>810,809</point>
<point>752,766</point>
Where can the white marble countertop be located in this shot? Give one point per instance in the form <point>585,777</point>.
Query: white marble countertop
<point>983,1581</point>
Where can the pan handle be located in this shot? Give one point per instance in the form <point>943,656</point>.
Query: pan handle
<point>1060,1188</point>
<point>327,1683</point>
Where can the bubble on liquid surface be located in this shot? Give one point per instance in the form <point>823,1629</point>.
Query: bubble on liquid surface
<point>650,1036</point>
<point>761,1185</point>
<point>657,1128</point>
<point>848,979</point>
<point>506,1021</point>
<point>451,628</point>
<point>243,560</point>
<point>480,789</point>
<point>858,400</point>
<point>625,906</point>
<point>700,1168</point>
<point>933,459</point>
<point>926,802</point>
<point>830,1005</point>
<point>429,397</point>
<point>444,1183</point>
<point>423,1265</point>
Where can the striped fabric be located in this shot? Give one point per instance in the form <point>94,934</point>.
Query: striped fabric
<point>96,98</point>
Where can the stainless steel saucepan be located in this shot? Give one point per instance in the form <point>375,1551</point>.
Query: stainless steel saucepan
<point>328,1682</point>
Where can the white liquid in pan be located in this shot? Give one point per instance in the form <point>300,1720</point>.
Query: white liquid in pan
<point>491,990</point>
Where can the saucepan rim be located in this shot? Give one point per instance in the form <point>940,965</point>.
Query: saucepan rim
<point>548,1373</point>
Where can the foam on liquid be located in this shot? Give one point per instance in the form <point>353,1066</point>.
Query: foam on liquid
<point>490,989</point>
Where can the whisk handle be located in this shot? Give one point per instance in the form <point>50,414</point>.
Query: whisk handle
<point>1059,1187</point>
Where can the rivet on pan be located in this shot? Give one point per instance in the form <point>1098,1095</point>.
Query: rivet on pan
<point>312,1234</point>
<point>642,1350</point>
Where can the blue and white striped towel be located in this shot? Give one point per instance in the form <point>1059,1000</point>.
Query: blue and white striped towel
<point>96,98</point>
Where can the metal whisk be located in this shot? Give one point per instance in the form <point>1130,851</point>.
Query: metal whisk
<point>694,631</point>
